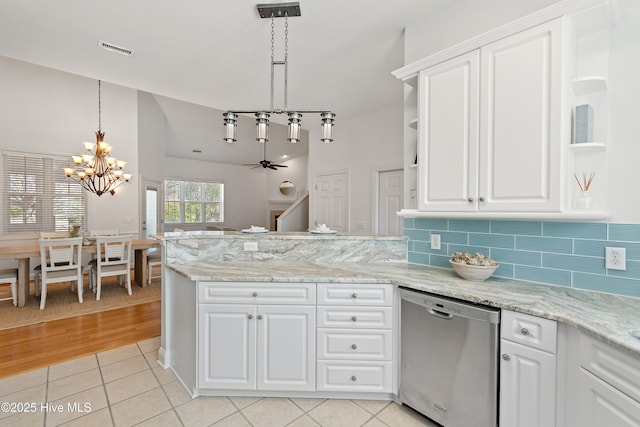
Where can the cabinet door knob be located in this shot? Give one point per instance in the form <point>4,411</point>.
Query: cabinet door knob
<point>259,316</point>
<point>255,294</point>
<point>250,316</point>
<point>353,378</point>
<point>354,318</point>
<point>353,346</point>
<point>470,199</point>
<point>482,199</point>
<point>354,295</point>
<point>524,331</point>
<point>506,357</point>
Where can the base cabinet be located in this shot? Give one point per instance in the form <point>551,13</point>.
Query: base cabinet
<point>603,384</point>
<point>269,346</point>
<point>527,371</point>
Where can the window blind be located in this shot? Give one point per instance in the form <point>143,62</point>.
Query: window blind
<point>37,195</point>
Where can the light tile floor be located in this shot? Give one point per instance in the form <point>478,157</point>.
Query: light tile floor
<point>126,387</point>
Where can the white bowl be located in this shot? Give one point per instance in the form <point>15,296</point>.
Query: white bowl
<point>477,273</point>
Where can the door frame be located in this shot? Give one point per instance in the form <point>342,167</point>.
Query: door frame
<point>313,202</point>
<point>144,184</point>
<point>375,193</point>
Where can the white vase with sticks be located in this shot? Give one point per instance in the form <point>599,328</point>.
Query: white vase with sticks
<point>584,200</point>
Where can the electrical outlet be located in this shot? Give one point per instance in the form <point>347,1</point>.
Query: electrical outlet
<point>251,246</point>
<point>615,258</point>
<point>435,242</point>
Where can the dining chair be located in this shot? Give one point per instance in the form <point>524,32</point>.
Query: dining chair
<point>113,259</point>
<point>37,270</point>
<point>9,276</point>
<point>154,259</point>
<point>61,261</point>
<point>93,234</point>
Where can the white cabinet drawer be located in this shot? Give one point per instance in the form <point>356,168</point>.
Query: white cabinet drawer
<point>355,317</point>
<point>529,330</point>
<point>604,405</point>
<point>256,293</point>
<point>354,344</point>
<point>612,366</point>
<point>359,294</point>
<point>354,376</point>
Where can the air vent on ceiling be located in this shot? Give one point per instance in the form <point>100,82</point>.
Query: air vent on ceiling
<point>196,150</point>
<point>115,48</point>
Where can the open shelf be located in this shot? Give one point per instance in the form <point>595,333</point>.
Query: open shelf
<point>586,85</point>
<point>588,147</point>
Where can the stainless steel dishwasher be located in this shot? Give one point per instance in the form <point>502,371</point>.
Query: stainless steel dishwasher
<point>449,359</point>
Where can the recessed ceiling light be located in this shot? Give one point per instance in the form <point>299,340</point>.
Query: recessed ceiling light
<point>115,48</point>
<point>284,156</point>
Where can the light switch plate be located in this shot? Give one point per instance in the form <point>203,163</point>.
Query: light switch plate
<point>435,242</point>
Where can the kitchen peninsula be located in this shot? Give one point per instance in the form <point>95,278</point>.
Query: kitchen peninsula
<point>318,284</point>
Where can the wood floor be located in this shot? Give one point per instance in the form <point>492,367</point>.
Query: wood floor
<point>36,346</point>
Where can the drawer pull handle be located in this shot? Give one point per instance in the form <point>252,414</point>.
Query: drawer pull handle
<point>259,316</point>
<point>506,357</point>
<point>250,316</point>
<point>354,318</point>
<point>353,346</point>
<point>255,294</point>
<point>354,296</point>
<point>470,199</point>
<point>353,378</point>
<point>524,331</point>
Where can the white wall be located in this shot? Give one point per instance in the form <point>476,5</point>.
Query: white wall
<point>365,143</point>
<point>48,111</point>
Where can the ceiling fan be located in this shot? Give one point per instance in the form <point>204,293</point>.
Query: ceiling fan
<point>265,163</point>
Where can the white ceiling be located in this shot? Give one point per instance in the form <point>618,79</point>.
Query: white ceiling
<point>216,54</point>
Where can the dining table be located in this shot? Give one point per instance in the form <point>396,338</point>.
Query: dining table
<point>23,250</point>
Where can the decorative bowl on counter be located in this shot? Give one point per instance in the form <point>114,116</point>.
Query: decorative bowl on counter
<point>476,267</point>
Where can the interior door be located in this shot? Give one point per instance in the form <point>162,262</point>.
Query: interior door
<point>332,200</point>
<point>151,203</point>
<point>390,194</point>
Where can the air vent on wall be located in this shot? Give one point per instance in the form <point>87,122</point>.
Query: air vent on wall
<point>115,48</point>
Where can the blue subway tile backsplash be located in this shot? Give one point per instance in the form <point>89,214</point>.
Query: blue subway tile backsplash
<point>567,254</point>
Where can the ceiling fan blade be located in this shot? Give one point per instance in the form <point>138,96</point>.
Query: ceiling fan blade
<point>281,166</point>
<point>273,167</point>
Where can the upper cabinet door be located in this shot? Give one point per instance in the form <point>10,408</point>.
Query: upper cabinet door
<point>448,135</point>
<point>521,118</point>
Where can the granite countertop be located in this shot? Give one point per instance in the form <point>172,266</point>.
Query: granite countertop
<point>611,318</point>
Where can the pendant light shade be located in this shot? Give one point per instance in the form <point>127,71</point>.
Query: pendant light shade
<point>262,125</point>
<point>293,134</point>
<point>230,126</point>
<point>327,126</point>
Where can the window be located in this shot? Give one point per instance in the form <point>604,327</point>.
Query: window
<point>188,202</point>
<point>37,195</point>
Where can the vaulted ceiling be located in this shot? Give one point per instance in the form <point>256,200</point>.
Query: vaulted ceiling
<point>216,54</point>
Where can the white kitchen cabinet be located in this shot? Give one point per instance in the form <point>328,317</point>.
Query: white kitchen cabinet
<point>267,345</point>
<point>527,371</point>
<point>490,127</point>
<point>606,391</point>
<point>355,341</point>
<point>448,135</point>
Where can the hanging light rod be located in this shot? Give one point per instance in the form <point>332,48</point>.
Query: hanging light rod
<point>327,118</point>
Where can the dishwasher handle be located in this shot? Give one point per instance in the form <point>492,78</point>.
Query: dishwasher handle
<point>440,314</point>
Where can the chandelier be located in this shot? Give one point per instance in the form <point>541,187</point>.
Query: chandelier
<point>96,170</point>
<point>279,10</point>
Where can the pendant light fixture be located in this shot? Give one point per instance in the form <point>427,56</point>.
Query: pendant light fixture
<point>96,170</point>
<point>327,118</point>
